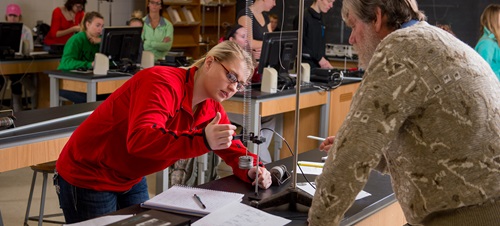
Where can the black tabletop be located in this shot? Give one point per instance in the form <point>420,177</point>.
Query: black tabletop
<point>253,91</point>
<point>40,123</point>
<point>28,58</point>
<point>87,75</point>
<point>379,186</point>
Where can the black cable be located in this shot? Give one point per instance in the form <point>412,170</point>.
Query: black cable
<point>291,152</point>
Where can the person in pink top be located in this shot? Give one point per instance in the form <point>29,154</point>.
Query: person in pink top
<point>65,22</point>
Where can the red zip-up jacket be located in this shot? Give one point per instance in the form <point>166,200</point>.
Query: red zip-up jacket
<point>143,127</point>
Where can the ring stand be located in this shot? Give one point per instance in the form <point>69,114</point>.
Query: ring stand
<point>292,195</point>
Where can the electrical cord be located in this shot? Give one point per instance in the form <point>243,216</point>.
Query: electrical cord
<point>291,152</point>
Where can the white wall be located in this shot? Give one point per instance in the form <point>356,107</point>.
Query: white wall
<point>34,10</point>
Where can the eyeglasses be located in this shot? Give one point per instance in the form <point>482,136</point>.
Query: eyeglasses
<point>232,77</point>
<point>155,3</point>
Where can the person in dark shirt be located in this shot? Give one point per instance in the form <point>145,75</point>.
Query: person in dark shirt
<point>273,22</point>
<point>255,19</point>
<point>313,48</point>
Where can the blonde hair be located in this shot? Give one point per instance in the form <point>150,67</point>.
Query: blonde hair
<point>228,51</point>
<point>136,16</point>
<point>489,20</point>
<point>89,17</point>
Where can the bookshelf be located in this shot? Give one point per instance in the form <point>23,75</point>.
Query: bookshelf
<point>186,18</point>
<point>215,14</point>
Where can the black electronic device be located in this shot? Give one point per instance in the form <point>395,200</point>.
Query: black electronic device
<point>354,74</point>
<point>322,75</point>
<point>279,50</point>
<point>175,61</point>
<point>122,45</point>
<point>10,38</point>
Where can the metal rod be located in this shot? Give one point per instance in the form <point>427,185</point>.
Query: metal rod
<point>297,93</point>
<point>42,123</point>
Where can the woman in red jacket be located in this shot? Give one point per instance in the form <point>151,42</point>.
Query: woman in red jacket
<point>159,116</point>
<point>65,22</point>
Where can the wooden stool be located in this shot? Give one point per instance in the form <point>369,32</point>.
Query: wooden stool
<point>45,169</point>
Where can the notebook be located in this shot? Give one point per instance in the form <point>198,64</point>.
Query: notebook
<point>181,199</point>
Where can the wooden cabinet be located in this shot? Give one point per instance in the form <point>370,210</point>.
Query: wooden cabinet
<point>186,27</point>
<point>216,15</point>
<point>340,104</point>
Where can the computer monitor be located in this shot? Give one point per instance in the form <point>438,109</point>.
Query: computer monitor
<point>122,45</point>
<point>10,38</point>
<point>279,51</point>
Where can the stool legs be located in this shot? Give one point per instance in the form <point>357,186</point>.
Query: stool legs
<point>42,202</point>
<point>30,198</point>
<point>41,216</point>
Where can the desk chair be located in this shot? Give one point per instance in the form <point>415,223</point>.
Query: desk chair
<point>45,169</point>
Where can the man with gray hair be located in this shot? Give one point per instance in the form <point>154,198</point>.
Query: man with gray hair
<point>427,113</point>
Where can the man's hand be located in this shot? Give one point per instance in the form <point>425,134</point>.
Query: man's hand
<point>219,136</point>
<point>264,177</point>
<point>327,144</point>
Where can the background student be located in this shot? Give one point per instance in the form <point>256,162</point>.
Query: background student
<point>313,47</point>
<point>259,22</point>
<point>425,116</point>
<point>159,116</point>
<point>273,22</point>
<point>65,22</point>
<point>488,45</point>
<point>79,51</point>
<point>158,32</point>
<point>13,15</point>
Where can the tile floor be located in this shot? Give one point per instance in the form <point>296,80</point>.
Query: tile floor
<point>14,192</point>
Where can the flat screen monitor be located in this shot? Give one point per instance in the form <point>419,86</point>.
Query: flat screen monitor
<point>279,51</point>
<point>10,38</point>
<point>122,45</point>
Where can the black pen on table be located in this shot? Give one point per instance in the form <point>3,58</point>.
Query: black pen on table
<point>199,200</point>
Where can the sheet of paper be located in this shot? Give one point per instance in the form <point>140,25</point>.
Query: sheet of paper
<point>239,214</point>
<point>310,170</point>
<point>101,220</point>
<point>310,190</point>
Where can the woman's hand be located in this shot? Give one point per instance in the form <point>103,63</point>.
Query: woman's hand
<point>219,136</point>
<point>94,40</point>
<point>166,39</point>
<point>327,144</point>
<point>76,28</point>
<point>264,177</point>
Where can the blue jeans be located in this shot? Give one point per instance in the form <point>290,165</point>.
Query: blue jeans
<point>78,97</point>
<point>80,204</point>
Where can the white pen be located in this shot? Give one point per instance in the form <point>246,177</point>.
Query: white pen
<point>316,138</point>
